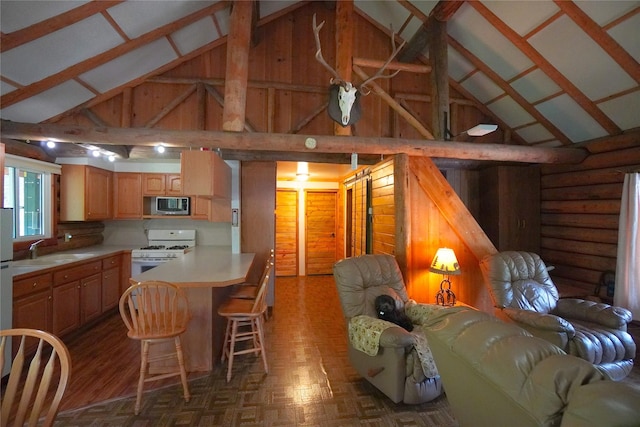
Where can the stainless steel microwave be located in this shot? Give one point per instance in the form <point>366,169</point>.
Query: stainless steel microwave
<point>171,206</point>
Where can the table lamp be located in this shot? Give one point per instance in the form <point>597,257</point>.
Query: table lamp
<point>445,263</point>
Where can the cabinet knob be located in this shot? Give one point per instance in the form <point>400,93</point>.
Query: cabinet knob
<point>66,276</point>
<point>35,284</point>
<point>50,298</point>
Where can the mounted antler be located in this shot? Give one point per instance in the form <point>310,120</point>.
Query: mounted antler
<point>345,93</point>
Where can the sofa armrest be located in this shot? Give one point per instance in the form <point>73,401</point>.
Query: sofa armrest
<point>603,403</point>
<point>368,334</point>
<point>423,314</point>
<point>541,321</point>
<point>590,311</point>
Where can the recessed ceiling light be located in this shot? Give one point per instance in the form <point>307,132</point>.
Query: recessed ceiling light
<point>112,158</point>
<point>51,144</point>
<point>95,153</point>
<point>160,148</point>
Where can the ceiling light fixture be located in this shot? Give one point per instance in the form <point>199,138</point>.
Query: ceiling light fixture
<point>302,173</point>
<point>160,148</point>
<point>51,144</point>
<point>481,129</point>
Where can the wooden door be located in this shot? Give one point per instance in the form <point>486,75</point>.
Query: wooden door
<point>287,232</point>
<point>320,208</point>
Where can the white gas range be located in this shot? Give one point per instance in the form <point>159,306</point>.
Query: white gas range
<point>164,245</point>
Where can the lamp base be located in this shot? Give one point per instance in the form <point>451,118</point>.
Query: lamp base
<point>445,296</point>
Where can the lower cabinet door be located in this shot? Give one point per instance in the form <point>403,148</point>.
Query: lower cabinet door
<point>32,312</point>
<point>90,298</point>
<point>66,308</point>
<point>110,288</point>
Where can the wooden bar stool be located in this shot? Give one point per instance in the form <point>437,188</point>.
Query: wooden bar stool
<point>156,312</point>
<point>245,323</point>
<point>249,290</point>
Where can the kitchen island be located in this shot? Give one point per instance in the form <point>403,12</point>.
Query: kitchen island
<point>207,274</point>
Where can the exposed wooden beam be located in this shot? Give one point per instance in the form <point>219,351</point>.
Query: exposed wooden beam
<point>291,143</point>
<point>439,77</point>
<point>435,185</point>
<point>344,50</point>
<point>55,23</point>
<point>521,43</point>
<point>237,71</point>
<point>393,65</point>
<point>121,150</point>
<point>509,90</point>
<point>442,12</point>
<point>395,105</point>
<point>82,67</point>
<point>600,36</point>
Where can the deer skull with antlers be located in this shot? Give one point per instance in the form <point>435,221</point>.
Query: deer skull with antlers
<point>344,96</point>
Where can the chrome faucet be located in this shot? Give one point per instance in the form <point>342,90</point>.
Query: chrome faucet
<point>33,249</point>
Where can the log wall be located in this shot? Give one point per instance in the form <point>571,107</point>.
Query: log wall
<point>580,208</point>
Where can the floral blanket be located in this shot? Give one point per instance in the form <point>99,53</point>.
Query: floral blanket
<point>364,335</point>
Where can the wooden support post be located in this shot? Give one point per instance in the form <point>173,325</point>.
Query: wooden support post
<point>344,50</point>
<point>237,72</point>
<point>439,76</point>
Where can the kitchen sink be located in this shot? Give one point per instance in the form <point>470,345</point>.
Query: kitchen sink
<point>51,259</point>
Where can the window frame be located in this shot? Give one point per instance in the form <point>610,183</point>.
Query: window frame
<point>47,172</point>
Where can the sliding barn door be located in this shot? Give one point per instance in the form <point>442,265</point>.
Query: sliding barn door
<point>320,211</point>
<point>287,232</point>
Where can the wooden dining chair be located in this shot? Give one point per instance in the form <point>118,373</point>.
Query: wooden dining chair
<point>245,323</point>
<point>32,376</point>
<point>156,312</point>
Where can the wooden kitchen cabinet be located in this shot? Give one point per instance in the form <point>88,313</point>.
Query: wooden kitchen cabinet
<point>161,184</point>
<point>32,312</point>
<point>205,174</point>
<point>66,308</point>
<point>110,283</point>
<point>90,298</point>
<point>77,296</point>
<point>510,207</point>
<point>85,193</point>
<point>127,196</point>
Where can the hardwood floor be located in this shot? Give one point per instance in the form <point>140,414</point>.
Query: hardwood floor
<point>106,362</point>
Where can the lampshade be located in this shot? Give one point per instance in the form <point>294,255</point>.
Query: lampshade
<point>445,262</point>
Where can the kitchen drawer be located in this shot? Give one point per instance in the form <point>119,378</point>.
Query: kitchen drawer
<point>112,261</point>
<point>31,285</point>
<point>76,273</point>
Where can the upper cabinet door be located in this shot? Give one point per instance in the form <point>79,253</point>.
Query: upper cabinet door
<point>153,184</point>
<point>127,196</point>
<point>173,184</point>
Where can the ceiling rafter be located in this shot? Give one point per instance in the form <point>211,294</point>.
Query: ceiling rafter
<point>604,40</point>
<point>509,90</point>
<point>91,63</point>
<point>520,42</point>
<point>55,23</point>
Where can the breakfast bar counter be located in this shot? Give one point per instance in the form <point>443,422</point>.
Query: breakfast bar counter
<point>207,274</point>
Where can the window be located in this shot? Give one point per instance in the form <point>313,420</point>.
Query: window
<point>27,189</point>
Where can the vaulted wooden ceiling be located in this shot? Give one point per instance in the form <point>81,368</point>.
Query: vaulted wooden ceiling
<point>549,73</point>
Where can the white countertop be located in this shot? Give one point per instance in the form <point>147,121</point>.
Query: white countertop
<point>59,259</point>
<point>204,266</point>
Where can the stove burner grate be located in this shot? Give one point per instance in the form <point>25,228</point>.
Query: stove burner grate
<point>153,247</point>
<point>178,247</point>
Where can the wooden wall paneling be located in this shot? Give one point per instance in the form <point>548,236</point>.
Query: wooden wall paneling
<point>383,206</point>
<point>340,223</point>
<point>580,214</point>
<point>287,232</point>
<point>403,216</point>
